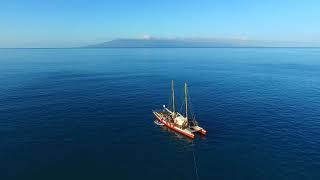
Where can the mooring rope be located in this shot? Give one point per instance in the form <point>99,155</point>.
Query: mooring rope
<point>194,161</point>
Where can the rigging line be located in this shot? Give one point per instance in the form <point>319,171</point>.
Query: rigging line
<point>182,104</point>
<point>190,104</point>
<point>194,161</point>
<point>191,107</point>
<point>170,106</point>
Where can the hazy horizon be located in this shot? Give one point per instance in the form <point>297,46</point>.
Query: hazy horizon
<point>58,24</point>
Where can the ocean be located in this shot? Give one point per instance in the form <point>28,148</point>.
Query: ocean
<point>87,113</point>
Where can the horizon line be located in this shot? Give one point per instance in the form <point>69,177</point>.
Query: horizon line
<point>159,47</point>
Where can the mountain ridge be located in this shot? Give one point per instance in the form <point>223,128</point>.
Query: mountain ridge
<point>188,43</point>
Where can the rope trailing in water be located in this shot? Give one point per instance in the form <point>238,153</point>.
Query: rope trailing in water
<point>194,161</point>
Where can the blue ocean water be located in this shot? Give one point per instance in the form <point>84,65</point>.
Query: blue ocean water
<point>87,113</point>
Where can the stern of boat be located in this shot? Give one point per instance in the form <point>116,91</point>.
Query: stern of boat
<point>203,132</point>
<point>199,130</point>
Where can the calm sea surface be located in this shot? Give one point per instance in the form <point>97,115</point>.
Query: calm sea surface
<point>87,113</point>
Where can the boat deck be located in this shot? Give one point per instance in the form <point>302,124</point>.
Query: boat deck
<point>192,129</point>
<point>167,117</point>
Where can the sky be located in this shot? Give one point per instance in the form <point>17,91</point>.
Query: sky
<point>70,23</point>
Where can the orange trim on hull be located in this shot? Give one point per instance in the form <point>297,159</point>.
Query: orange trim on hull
<point>169,125</point>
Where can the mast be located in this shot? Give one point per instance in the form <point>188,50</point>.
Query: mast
<point>172,89</point>
<point>186,99</point>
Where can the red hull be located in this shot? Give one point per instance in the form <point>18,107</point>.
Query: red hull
<point>173,127</point>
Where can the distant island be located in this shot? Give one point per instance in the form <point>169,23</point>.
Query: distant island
<point>189,43</point>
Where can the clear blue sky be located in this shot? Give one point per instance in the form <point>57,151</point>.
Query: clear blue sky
<point>67,23</point>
